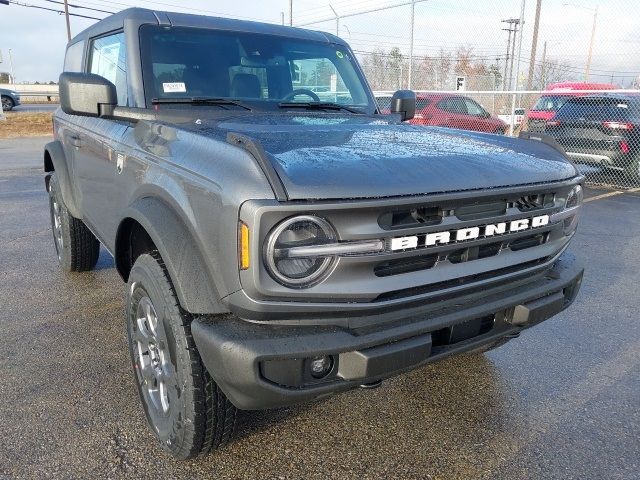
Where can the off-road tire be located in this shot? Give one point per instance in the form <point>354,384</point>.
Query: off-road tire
<point>7,103</point>
<point>77,248</point>
<point>198,416</point>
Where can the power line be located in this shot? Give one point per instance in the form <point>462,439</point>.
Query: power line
<point>59,12</point>
<point>79,6</point>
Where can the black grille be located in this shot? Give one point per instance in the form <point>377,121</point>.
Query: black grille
<point>527,203</point>
<point>457,282</point>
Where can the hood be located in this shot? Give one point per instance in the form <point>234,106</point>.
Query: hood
<point>540,114</point>
<point>331,156</point>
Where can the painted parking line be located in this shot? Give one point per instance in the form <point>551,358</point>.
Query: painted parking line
<point>611,194</point>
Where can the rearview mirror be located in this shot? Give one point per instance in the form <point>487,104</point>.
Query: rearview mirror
<point>404,103</point>
<point>87,95</point>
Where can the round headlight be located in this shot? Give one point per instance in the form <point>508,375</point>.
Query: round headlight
<point>294,270</point>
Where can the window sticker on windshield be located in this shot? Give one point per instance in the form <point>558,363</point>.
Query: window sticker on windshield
<point>339,54</point>
<point>174,87</point>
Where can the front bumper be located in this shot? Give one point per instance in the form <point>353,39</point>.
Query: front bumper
<point>261,365</point>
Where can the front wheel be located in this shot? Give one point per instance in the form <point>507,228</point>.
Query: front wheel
<point>7,103</point>
<point>185,409</point>
<point>77,248</point>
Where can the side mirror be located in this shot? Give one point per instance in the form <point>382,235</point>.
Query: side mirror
<point>404,103</point>
<point>87,95</point>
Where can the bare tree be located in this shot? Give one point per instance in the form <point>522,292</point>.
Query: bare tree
<point>553,71</point>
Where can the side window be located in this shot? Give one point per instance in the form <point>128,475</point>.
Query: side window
<point>459,106</point>
<point>73,57</point>
<point>109,60</point>
<point>453,105</point>
<point>473,108</point>
<point>445,105</point>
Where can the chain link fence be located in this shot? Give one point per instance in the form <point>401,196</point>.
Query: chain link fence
<point>504,67</point>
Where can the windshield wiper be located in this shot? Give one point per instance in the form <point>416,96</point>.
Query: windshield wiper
<point>317,106</point>
<point>200,101</point>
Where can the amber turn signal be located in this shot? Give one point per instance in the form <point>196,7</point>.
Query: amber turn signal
<point>243,241</point>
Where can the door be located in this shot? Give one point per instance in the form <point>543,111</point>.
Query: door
<point>479,119</point>
<point>99,146</point>
<point>454,113</point>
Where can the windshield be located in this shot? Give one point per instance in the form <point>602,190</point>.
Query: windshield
<point>550,103</point>
<point>261,70</point>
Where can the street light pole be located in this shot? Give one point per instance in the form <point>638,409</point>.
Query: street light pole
<point>520,45</point>
<point>593,35</point>
<point>13,79</point>
<point>66,14</point>
<point>413,20</point>
<point>291,13</point>
<point>337,20</point>
<point>534,45</point>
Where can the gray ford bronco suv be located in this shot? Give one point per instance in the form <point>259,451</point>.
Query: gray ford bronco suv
<point>281,239</point>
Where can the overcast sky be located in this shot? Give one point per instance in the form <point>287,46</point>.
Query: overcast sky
<point>37,38</point>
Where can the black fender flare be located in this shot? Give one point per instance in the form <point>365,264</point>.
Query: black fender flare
<point>56,160</point>
<point>191,278</point>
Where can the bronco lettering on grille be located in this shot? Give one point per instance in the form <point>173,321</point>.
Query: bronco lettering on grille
<point>466,234</point>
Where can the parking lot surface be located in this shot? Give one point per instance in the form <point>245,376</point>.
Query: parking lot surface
<point>559,402</point>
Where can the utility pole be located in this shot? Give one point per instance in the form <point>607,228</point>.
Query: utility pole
<point>291,13</point>
<point>511,46</point>
<point>66,14</point>
<point>593,35</point>
<point>506,59</point>
<point>520,43</point>
<point>413,21</point>
<point>513,50</point>
<point>534,45</point>
<point>543,67</point>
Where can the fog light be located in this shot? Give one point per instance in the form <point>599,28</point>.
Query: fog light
<point>320,366</point>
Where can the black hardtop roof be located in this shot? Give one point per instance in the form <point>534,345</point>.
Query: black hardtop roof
<point>135,17</point>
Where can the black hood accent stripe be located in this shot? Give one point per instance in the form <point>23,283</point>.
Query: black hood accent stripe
<point>262,158</point>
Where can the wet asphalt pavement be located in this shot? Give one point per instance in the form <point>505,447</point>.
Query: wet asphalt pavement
<point>560,402</point>
<point>36,107</point>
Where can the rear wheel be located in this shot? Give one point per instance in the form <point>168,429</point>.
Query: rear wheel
<point>7,103</point>
<point>77,248</point>
<point>185,409</point>
<point>499,131</point>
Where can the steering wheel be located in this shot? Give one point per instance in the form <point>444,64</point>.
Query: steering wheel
<point>301,91</point>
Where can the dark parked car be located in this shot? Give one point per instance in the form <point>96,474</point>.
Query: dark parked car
<point>10,99</point>
<point>279,248</point>
<point>453,111</point>
<point>602,130</point>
